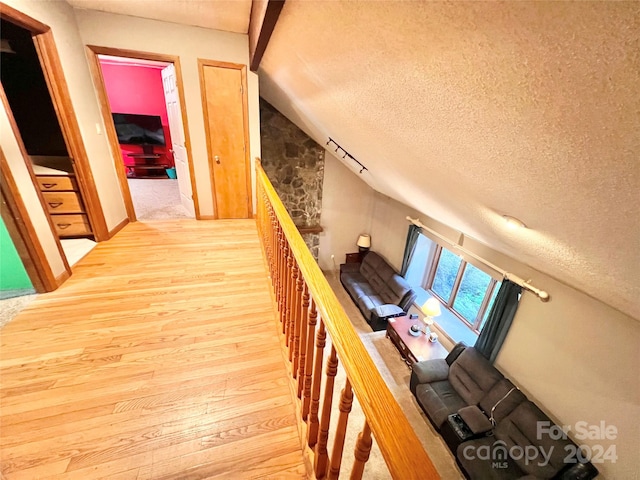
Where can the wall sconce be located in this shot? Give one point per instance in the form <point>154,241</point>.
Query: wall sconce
<point>364,243</point>
<point>431,308</point>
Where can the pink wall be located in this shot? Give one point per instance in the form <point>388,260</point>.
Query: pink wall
<point>135,89</point>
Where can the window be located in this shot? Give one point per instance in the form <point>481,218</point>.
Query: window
<point>466,292</point>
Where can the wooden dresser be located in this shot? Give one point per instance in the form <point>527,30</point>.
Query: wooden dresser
<point>63,202</point>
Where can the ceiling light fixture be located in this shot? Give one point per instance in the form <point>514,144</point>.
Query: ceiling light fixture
<point>347,154</point>
<point>513,223</point>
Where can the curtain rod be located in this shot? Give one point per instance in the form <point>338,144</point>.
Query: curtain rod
<point>541,294</point>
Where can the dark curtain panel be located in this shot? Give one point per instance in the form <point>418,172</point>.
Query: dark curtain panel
<point>409,248</point>
<point>499,321</point>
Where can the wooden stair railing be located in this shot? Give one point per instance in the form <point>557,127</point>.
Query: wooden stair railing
<point>308,311</point>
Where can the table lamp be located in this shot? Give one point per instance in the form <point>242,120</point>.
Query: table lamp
<point>364,243</point>
<point>431,308</point>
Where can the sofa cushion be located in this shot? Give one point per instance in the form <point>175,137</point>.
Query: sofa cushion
<point>520,429</point>
<point>357,284</point>
<point>434,370</point>
<point>472,376</point>
<point>475,419</point>
<point>506,404</point>
<point>386,283</point>
<point>388,310</point>
<point>438,400</point>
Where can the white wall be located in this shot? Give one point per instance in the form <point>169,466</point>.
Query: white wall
<point>59,16</point>
<point>575,356</point>
<point>190,44</point>
<point>346,212</point>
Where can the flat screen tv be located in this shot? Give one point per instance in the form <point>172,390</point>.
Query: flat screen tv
<point>134,129</point>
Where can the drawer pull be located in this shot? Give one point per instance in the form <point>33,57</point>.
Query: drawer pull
<point>62,226</point>
<point>49,185</point>
<point>55,204</point>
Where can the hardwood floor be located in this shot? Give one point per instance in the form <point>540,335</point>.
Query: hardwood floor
<point>158,359</point>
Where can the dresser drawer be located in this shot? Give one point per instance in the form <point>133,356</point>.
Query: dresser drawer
<point>56,183</point>
<point>62,202</point>
<point>71,225</point>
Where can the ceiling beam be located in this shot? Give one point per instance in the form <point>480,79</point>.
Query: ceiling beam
<point>264,15</point>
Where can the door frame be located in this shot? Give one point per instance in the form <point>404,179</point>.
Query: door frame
<point>18,231</point>
<point>24,234</point>
<point>245,113</point>
<point>92,52</point>
<point>59,92</point>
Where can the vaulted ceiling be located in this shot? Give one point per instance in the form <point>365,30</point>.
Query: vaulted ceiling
<point>467,111</point>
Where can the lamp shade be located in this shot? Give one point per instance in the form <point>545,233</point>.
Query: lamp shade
<point>364,241</point>
<point>431,307</point>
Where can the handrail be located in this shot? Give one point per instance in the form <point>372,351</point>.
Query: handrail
<point>397,441</point>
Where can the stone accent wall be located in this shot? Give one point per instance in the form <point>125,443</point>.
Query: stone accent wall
<point>295,165</point>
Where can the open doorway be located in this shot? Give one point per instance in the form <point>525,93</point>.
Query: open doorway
<point>46,149</point>
<point>144,109</point>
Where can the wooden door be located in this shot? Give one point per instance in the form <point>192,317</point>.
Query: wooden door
<point>176,128</point>
<point>226,123</point>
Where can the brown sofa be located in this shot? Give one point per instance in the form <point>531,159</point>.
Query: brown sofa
<point>488,422</point>
<point>377,289</point>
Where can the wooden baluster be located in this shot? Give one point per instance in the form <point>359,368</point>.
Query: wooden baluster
<point>280,267</point>
<point>300,327</point>
<point>294,314</point>
<point>288,294</point>
<point>284,281</point>
<point>322,456</point>
<point>361,452</point>
<point>272,243</point>
<point>306,340</point>
<point>321,337</point>
<point>274,250</point>
<point>346,401</point>
<point>266,226</point>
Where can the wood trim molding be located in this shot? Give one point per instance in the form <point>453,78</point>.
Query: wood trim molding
<point>63,277</point>
<point>247,140</point>
<point>187,136</point>
<point>314,229</point>
<point>396,439</point>
<point>110,131</point>
<point>122,52</point>
<point>19,208</point>
<point>98,80</point>
<point>118,227</point>
<point>245,113</point>
<point>207,134</point>
<point>22,20</point>
<point>261,26</point>
<point>39,270</point>
<point>52,68</point>
<point>16,228</point>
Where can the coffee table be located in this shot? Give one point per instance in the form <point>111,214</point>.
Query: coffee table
<point>413,349</point>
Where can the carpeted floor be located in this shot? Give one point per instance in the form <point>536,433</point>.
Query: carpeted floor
<point>396,375</point>
<point>156,199</point>
<point>11,307</point>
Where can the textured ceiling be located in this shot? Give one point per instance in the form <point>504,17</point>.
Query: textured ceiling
<point>226,15</point>
<point>470,110</point>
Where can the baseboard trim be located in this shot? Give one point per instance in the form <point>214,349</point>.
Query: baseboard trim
<point>63,277</point>
<point>118,227</point>
<point>207,217</point>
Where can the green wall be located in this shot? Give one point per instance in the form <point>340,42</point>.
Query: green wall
<point>12,273</point>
